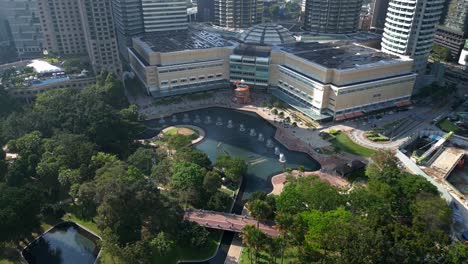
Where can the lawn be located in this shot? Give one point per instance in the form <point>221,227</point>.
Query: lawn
<point>448,126</point>
<point>264,258</point>
<point>343,143</point>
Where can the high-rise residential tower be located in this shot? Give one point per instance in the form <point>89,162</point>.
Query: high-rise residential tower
<point>205,10</point>
<point>23,19</point>
<point>332,16</point>
<point>61,26</point>
<point>164,15</point>
<point>410,27</point>
<point>238,13</point>
<point>128,19</point>
<point>379,13</point>
<point>453,30</point>
<point>99,32</point>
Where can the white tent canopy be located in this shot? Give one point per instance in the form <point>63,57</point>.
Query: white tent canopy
<point>41,66</point>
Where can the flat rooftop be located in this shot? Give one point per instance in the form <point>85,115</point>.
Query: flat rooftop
<point>190,39</point>
<point>338,55</point>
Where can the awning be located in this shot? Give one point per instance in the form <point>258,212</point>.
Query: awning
<point>404,103</point>
<point>349,116</point>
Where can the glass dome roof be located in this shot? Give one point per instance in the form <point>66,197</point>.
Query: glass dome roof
<point>266,34</point>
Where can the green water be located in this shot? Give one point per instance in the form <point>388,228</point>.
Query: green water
<point>220,139</point>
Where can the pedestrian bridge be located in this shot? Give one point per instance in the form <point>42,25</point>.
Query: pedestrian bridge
<point>227,222</point>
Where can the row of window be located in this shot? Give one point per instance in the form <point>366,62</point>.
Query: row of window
<point>191,68</point>
<point>347,91</point>
<point>192,79</point>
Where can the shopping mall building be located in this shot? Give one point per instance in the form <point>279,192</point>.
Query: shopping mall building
<point>337,80</point>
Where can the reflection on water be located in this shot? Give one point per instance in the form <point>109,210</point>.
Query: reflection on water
<point>66,243</point>
<point>263,159</point>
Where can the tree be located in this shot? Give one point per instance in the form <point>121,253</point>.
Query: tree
<point>441,53</point>
<point>212,182</point>
<point>3,164</point>
<point>431,214</point>
<point>254,239</point>
<point>192,234</point>
<point>192,155</point>
<point>162,172</point>
<point>187,181</point>
<point>260,210</point>
<point>232,168</point>
<point>19,210</point>
<point>161,244</point>
<point>143,159</point>
<point>308,193</point>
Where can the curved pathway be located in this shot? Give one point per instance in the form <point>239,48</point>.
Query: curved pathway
<point>279,180</point>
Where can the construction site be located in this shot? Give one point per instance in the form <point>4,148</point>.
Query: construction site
<point>441,156</point>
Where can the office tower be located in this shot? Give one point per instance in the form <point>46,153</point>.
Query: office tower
<point>25,27</point>
<point>7,46</point>
<point>128,19</point>
<point>379,13</point>
<point>332,16</point>
<point>410,27</point>
<point>238,13</point>
<point>164,15</point>
<point>205,10</point>
<point>101,42</point>
<point>61,26</point>
<point>453,30</point>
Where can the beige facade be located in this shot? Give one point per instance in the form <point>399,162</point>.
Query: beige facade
<point>320,92</point>
<point>100,36</point>
<point>168,73</point>
<point>61,26</point>
<point>31,92</point>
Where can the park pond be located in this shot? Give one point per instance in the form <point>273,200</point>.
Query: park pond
<point>64,243</point>
<point>239,134</point>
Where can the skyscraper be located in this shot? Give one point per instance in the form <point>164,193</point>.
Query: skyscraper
<point>61,26</point>
<point>453,30</point>
<point>379,12</point>
<point>332,16</point>
<point>99,32</point>
<point>205,10</point>
<point>128,19</point>
<point>164,15</point>
<point>24,25</point>
<point>410,27</point>
<point>238,13</point>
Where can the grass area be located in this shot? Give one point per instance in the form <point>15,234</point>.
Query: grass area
<point>448,126</point>
<point>342,142</point>
<point>186,131</point>
<point>190,253</point>
<point>264,257</point>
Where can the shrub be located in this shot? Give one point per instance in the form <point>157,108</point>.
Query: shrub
<point>334,132</point>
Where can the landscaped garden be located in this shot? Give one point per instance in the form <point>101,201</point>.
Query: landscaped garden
<point>342,142</point>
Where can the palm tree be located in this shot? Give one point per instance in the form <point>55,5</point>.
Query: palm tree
<point>254,239</point>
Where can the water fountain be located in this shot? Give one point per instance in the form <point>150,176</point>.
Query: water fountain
<point>162,120</point>
<point>282,158</point>
<point>219,121</point>
<point>260,137</point>
<point>174,119</point>
<point>186,118</point>
<point>197,119</point>
<point>252,132</point>
<point>277,151</point>
<point>230,125</point>
<point>269,143</point>
<point>241,128</point>
<point>208,120</point>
